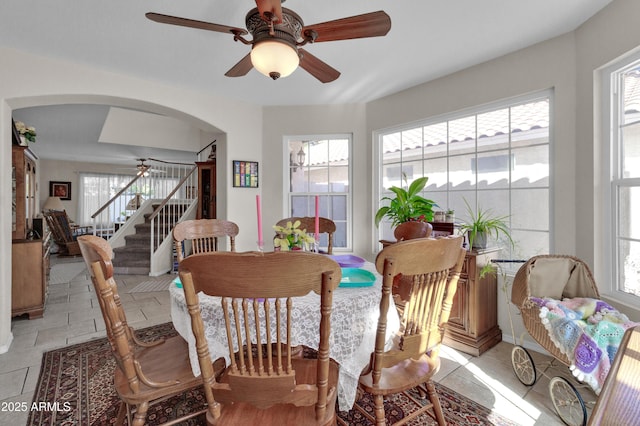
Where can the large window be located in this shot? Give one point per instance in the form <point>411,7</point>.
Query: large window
<point>319,166</point>
<point>622,178</point>
<point>495,158</point>
<point>96,189</point>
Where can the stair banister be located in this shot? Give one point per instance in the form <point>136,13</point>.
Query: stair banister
<point>115,197</point>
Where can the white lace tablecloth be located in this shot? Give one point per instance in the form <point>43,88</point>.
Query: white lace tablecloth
<point>354,319</point>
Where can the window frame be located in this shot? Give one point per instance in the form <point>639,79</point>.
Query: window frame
<point>287,204</point>
<point>612,100</point>
<point>467,112</point>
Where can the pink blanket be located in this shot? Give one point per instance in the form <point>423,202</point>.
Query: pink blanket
<point>588,331</point>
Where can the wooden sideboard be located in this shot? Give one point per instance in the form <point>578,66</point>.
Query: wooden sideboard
<point>30,276</point>
<point>473,323</point>
<point>30,239</point>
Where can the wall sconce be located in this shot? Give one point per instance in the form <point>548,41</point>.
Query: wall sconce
<point>297,160</point>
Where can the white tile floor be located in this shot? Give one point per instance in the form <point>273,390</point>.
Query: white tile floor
<point>72,315</point>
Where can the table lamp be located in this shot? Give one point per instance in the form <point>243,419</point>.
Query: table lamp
<point>53,203</point>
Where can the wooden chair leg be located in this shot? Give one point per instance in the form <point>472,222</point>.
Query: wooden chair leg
<point>437,408</point>
<point>122,411</point>
<point>139,419</point>
<point>379,410</point>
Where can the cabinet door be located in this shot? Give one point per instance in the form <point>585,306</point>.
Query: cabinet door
<point>206,190</point>
<point>459,317</point>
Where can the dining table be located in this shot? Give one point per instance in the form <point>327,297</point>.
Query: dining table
<point>354,319</point>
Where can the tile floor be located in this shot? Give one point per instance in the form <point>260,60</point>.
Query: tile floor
<point>72,315</point>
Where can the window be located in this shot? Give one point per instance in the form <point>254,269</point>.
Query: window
<point>622,177</point>
<point>320,166</point>
<point>97,189</point>
<point>495,158</point>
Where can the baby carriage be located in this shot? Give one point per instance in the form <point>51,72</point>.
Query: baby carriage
<point>538,288</point>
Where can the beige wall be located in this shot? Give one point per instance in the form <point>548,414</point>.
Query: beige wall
<point>47,81</point>
<point>311,120</point>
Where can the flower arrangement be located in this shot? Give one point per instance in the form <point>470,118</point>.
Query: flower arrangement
<point>291,237</point>
<point>29,132</point>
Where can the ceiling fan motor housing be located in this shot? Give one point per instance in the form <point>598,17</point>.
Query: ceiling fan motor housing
<point>286,32</point>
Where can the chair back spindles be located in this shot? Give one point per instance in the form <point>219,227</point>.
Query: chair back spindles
<point>257,293</point>
<point>431,268</point>
<point>142,376</point>
<point>201,236</point>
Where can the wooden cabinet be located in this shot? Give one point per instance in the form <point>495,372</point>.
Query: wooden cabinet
<point>29,249</point>
<point>30,276</point>
<point>24,185</point>
<point>206,190</point>
<point>473,323</point>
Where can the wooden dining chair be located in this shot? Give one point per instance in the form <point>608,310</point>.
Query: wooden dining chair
<point>434,266</point>
<point>146,372</point>
<point>325,226</point>
<point>265,383</point>
<point>201,236</point>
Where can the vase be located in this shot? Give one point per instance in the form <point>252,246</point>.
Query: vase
<point>411,230</point>
<point>23,141</point>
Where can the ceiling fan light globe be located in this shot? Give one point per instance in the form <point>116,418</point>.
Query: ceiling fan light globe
<point>272,57</point>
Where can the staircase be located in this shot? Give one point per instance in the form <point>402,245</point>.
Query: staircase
<point>134,258</point>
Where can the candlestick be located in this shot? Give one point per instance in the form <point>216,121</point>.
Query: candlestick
<point>317,228</point>
<point>259,213</point>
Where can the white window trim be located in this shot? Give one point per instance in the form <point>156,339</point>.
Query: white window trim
<point>286,204</point>
<point>474,110</point>
<point>606,260</point>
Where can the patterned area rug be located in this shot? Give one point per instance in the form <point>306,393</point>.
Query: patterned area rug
<point>75,387</point>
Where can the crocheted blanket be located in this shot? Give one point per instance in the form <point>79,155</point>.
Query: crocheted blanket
<point>588,331</point>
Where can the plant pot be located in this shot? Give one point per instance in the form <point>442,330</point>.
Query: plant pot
<point>479,241</point>
<point>411,230</point>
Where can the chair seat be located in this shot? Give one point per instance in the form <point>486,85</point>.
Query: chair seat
<point>168,361</point>
<point>283,414</point>
<point>402,376</point>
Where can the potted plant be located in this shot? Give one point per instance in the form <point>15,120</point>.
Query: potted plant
<point>408,206</point>
<point>481,224</point>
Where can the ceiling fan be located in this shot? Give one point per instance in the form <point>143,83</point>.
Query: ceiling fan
<point>144,169</point>
<point>278,35</point>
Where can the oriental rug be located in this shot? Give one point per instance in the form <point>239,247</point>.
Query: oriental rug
<point>75,387</point>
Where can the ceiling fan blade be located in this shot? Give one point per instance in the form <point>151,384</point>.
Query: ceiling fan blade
<point>317,68</point>
<point>372,24</point>
<point>191,23</point>
<point>241,68</point>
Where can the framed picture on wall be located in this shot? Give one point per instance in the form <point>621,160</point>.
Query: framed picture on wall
<point>245,174</point>
<point>60,189</point>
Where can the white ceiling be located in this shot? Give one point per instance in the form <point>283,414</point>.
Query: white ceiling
<point>428,39</point>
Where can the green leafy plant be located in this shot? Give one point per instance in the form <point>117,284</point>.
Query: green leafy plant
<point>291,236</point>
<point>484,223</point>
<point>407,205</point>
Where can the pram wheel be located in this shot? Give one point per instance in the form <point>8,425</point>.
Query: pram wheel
<point>523,366</point>
<point>567,402</point>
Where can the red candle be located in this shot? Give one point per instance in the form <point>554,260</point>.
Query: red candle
<point>259,213</point>
<point>317,229</point>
